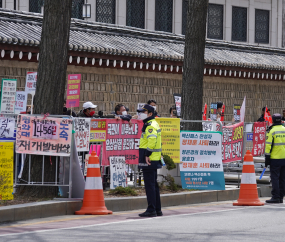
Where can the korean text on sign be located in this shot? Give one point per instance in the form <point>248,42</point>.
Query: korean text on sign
<point>21,102</point>
<point>201,160</point>
<point>6,170</point>
<point>7,127</point>
<point>49,136</point>
<point>118,172</point>
<point>232,142</point>
<point>98,130</point>
<point>122,140</point>
<point>8,95</point>
<point>82,133</point>
<point>170,137</point>
<point>237,108</point>
<point>73,90</point>
<point>31,82</point>
<point>259,136</point>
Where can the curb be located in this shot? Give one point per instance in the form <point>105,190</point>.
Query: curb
<point>59,207</point>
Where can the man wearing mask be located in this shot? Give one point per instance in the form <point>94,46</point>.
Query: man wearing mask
<point>152,103</point>
<point>149,159</point>
<point>275,157</point>
<point>88,110</point>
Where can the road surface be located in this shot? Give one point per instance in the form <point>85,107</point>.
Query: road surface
<point>220,221</point>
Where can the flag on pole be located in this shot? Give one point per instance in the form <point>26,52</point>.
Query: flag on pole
<point>267,116</point>
<point>223,113</point>
<point>242,110</point>
<point>205,112</point>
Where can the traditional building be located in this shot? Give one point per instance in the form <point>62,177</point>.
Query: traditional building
<point>129,65</point>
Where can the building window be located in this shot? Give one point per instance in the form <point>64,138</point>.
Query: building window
<point>261,26</point>
<point>163,15</point>
<point>36,5</point>
<point>215,21</point>
<point>105,11</point>
<point>136,13</point>
<point>184,16</point>
<point>0,3</point>
<point>239,24</point>
<point>77,6</point>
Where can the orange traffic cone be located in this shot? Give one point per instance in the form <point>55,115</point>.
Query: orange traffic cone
<point>93,200</point>
<point>248,195</point>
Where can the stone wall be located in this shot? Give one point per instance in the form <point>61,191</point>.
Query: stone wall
<point>108,87</point>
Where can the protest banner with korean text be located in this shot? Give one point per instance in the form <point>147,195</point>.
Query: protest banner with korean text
<point>8,96</point>
<point>237,108</point>
<point>6,170</point>
<point>259,136</point>
<point>98,130</point>
<point>201,159</point>
<point>177,101</point>
<point>118,172</point>
<point>31,82</point>
<point>170,137</point>
<point>7,127</point>
<point>43,136</point>
<point>232,142</point>
<point>21,102</point>
<point>82,133</point>
<point>122,140</point>
<point>73,90</point>
<point>213,114</point>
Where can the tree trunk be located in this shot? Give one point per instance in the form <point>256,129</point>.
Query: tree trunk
<point>49,97</point>
<point>193,66</point>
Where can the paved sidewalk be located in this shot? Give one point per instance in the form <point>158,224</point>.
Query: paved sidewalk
<point>60,207</point>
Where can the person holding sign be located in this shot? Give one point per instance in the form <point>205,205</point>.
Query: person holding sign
<point>275,157</point>
<point>149,159</point>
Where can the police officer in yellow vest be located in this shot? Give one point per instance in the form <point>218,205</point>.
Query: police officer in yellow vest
<point>275,157</point>
<point>149,159</point>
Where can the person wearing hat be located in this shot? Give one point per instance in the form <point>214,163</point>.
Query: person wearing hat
<point>275,157</point>
<point>149,159</point>
<point>88,110</point>
<point>261,118</point>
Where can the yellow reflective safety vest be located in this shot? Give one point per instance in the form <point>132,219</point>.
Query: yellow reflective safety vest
<point>151,140</point>
<point>275,142</point>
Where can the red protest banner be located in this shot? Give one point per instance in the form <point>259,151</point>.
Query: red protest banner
<point>259,132</point>
<point>232,142</point>
<point>122,140</point>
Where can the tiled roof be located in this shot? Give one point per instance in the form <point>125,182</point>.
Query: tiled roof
<point>24,28</point>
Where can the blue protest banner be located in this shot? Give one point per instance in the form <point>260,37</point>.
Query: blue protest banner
<point>201,156</point>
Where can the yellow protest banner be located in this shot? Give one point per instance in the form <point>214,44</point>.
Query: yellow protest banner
<point>170,137</point>
<point>6,170</point>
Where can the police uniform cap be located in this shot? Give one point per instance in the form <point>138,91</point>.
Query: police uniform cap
<point>276,118</point>
<point>146,107</point>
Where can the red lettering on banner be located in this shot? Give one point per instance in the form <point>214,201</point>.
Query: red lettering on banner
<point>121,139</point>
<point>232,142</point>
<point>259,133</point>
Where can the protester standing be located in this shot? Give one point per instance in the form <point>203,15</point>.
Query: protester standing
<point>173,112</point>
<point>149,159</point>
<point>261,118</point>
<point>88,110</point>
<point>275,157</point>
<point>152,103</point>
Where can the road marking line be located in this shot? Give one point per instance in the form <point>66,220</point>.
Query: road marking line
<point>126,221</point>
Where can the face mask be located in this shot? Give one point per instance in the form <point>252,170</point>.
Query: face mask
<point>143,116</point>
<point>124,113</point>
<point>92,113</point>
<point>154,107</point>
